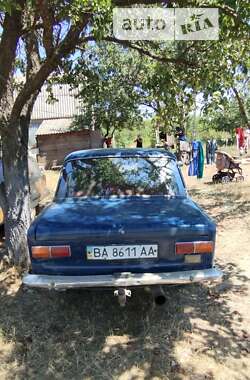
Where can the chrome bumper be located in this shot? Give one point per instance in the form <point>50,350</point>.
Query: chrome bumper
<point>120,279</point>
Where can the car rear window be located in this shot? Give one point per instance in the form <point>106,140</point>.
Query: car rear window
<point>119,176</point>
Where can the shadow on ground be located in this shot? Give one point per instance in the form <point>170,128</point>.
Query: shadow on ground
<point>223,202</point>
<point>86,335</point>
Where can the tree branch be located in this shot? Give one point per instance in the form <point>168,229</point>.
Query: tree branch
<point>47,15</point>
<point>65,47</point>
<point>241,106</point>
<point>32,54</point>
<point>128,44</point>
<point>229,12</point>
<point>226,9</point>
<point>11,32</point>
<point>141,50</point>
<point>124,3</point>
<point>150,105</point>
<point>33,66</point>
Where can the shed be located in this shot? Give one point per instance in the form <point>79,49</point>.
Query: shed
<point>56,139</point>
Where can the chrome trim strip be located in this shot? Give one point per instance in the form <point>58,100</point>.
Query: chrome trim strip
<point>120,279</point>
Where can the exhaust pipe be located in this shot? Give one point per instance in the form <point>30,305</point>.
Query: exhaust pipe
<point>158,295</point>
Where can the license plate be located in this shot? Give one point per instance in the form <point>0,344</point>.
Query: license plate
<point>122,252</point>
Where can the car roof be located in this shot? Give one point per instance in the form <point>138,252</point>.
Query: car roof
<point>121,152</point>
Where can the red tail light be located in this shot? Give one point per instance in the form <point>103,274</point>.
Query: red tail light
<point>184,248</point>
<point>60,251</point>
<point>44,252</point>
<point>187,248</point>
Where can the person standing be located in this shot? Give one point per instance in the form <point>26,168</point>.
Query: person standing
<point>209,151</point>
<point>240,138</point>
<point>107,142</point>
<point>139,141</point>
<point>213,150</point>
<point>247,132</point>
<point>180,133</point>
<point>246,144</point>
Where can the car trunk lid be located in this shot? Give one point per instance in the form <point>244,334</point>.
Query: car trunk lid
<point>122,221</point>
<point>104,218</point>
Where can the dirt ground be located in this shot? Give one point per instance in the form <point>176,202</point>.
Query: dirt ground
<point>202,332</point>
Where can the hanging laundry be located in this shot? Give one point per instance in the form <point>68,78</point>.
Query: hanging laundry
<point>197,163</point>
<point>193,167</point>
<point>240,138</point>
<point>200,160</point>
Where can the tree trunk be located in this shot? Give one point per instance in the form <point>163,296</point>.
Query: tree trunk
<point>16,183</point>
<point>242,109</point>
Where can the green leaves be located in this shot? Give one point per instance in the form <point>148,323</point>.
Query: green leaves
<point>6,6</point>
<point>223,118</point>
<point>108,92</point>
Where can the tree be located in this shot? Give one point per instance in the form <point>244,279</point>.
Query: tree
<point>37,38</point>
<point>220,72</point>
<point>26,29</point>
<point>115,96</point>
<point>108,94</point>
<point>224,118</point>
<point>229,78</point>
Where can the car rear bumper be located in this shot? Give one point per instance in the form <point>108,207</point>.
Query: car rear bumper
<point>120,279</point>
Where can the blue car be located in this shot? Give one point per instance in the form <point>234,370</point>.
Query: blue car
<point>121,218</point>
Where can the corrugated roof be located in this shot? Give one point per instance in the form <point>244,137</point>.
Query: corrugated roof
<point>54,126</point>
<point>65,106</point>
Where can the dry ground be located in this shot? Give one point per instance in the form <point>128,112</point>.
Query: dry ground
<point>202,332</point>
